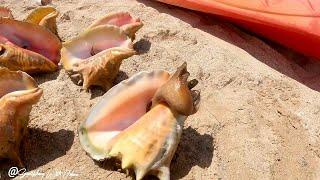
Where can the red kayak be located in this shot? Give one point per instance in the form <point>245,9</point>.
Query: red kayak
<point>293,23</point>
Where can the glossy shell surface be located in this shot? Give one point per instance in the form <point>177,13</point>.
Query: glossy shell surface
<point>31,37</point>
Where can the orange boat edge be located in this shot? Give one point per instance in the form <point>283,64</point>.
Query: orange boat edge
<point>295,24</point>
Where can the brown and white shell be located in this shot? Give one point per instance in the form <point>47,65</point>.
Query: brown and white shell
<point>96,55</point>
<point>140,121</point>
<point>18,92</point>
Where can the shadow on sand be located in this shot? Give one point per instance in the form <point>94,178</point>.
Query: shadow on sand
<point>40,147</point>
<point>194,150</point>
<point>44,77</point>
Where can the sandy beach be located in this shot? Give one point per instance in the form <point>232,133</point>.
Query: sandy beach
<point>259,115</point>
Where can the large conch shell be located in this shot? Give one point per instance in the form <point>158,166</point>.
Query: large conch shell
<point>96,55</point>
<point>122,125</point>
<point>28,47</point>
<point>5,13</point>
<point>123,20</point>
<point>46,17</point>
<point>18,92</point>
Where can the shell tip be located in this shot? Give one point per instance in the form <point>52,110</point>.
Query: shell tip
<point>182,99</point>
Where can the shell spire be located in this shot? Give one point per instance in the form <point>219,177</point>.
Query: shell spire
<point>179,88</point>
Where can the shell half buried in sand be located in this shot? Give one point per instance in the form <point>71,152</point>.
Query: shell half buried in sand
<point>18,92</point>
<point>94,57</point>
<point>28,47</point>
<point>140,121</point>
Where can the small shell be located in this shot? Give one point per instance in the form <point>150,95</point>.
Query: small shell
<point>5,13</point>
<point>121,126</point>
<point>18,92</point>
<point>43,2</point>
<point>30,37</point>
<point>46,17</point>
<point>123,20</point>
<point>97,54</point>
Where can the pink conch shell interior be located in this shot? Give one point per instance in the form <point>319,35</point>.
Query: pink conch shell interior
<point>122,106</point>
<point>32,37</point>
<point>117,19</point>
<point>92,42</point>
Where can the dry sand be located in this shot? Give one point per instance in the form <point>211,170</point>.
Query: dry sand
<point>260,111</point>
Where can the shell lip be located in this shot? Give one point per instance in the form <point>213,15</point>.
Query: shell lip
<point>44,13</point>
<point>52,15</point>
<point>68,66</point>
<point>92,151</point>
<point>19,93</point>
<point>30,85</point>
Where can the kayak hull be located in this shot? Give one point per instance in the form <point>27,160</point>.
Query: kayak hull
<point>295,24</point>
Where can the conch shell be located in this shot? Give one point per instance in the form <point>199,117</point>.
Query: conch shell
<point>46,17</point>
<point>140,121</point>
<point>28,47</point>
<point>96,54</point>
<point>5,13</point>
<point>123,20</point>
<point>18,92</point>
